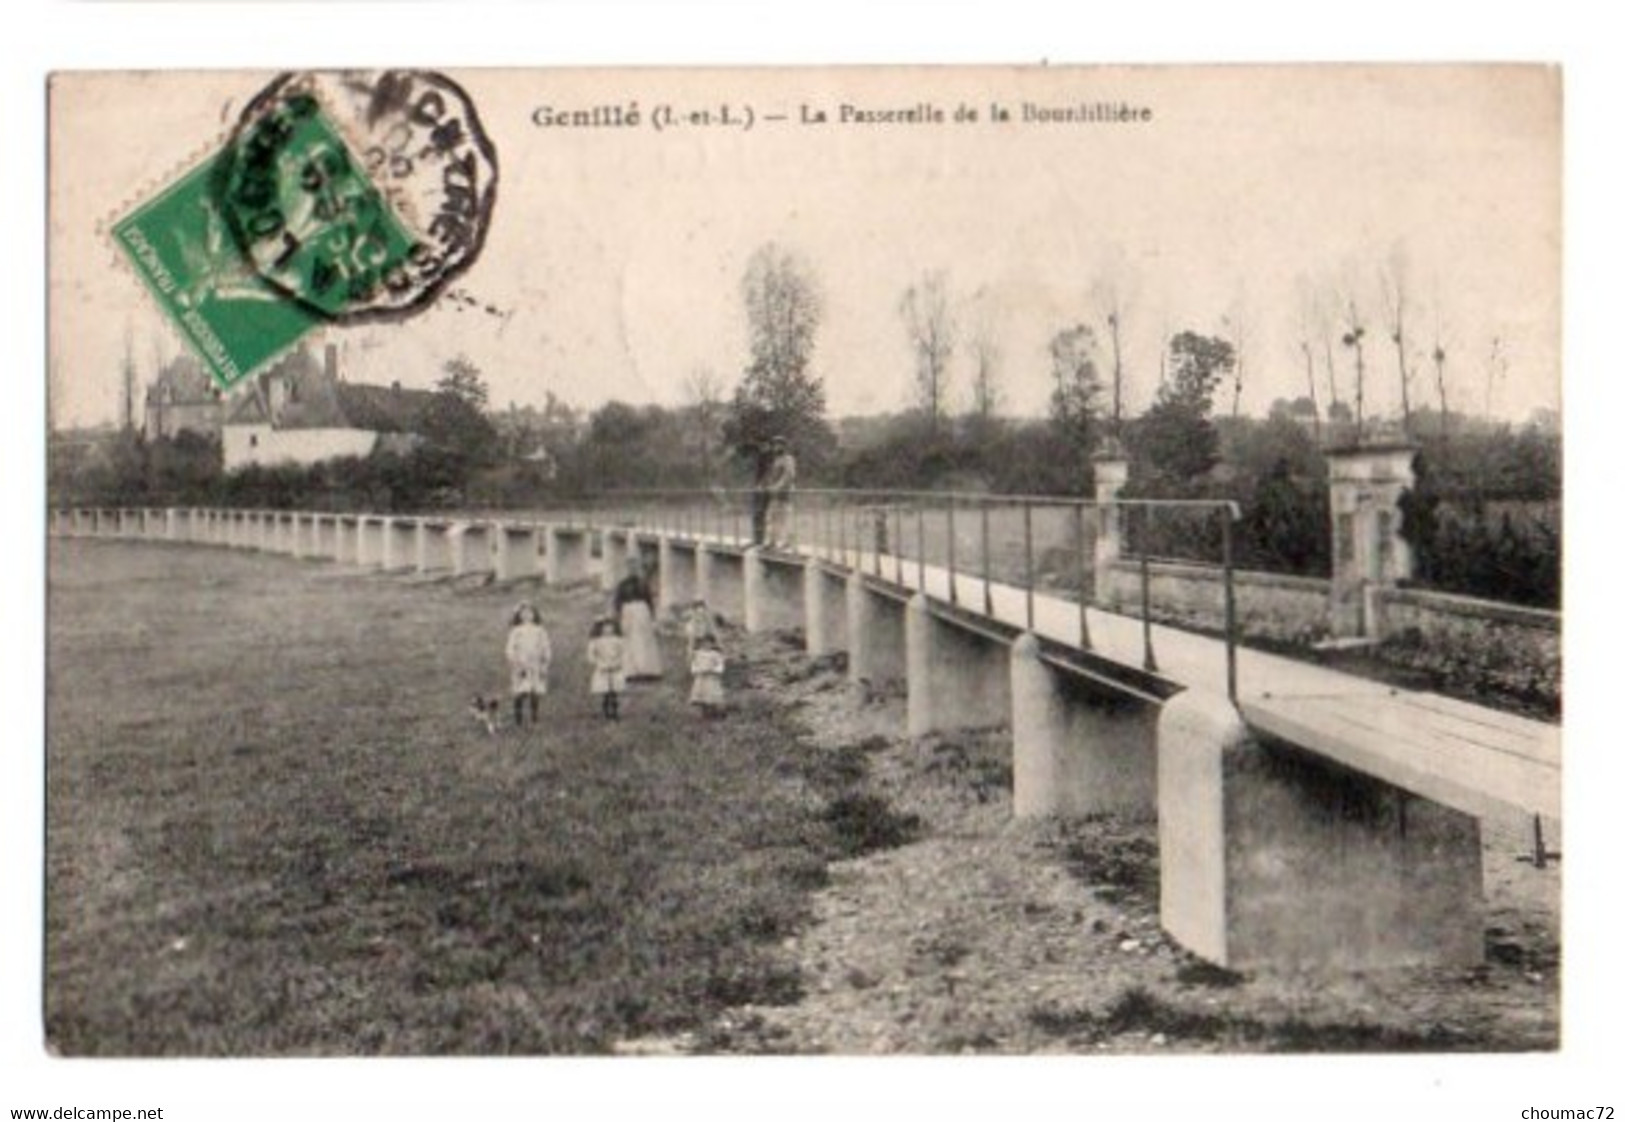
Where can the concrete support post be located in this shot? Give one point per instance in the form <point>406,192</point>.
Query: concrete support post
<point>400,544</point>
<point>669,593</point>
<point>1037,731</point>
<point>349,539</point>
<point>517,554</point>
<point>755,592</point>
<point>569,554</point>
<point>704,559</point>
<point>612,558</point>
<point>432,549</point>
<point>370,550</point>
<point>957,678</point>
<point>172,525</point>
<point>1271,856</point>
<point>813,610</point>
<point>1077,750</point>
<point>1365,484</point>
<point>922,717</point>
<point>875,642</point>
<point>470,548</point>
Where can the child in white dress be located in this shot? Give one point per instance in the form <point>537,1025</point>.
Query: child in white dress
<point>707,666</point>
<point>530,654</point>
<point>606,654</point>
<point>698,625</point>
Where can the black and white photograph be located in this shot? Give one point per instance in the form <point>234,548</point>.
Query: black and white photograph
<point>696,565</point>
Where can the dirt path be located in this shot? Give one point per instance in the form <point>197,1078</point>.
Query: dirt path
<point>991,935</point>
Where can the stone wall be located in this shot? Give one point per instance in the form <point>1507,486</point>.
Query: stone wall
<point>1268,605</point>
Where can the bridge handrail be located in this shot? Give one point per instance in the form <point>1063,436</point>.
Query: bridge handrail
<point>839,530</point>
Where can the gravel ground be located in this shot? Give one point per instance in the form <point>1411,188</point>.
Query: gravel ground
<point>986,934</point>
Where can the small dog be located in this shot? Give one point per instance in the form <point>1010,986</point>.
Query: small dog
<point>484,710</point>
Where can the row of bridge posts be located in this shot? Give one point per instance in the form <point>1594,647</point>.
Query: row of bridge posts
<point>506,550</point>
<point>1266,857</point>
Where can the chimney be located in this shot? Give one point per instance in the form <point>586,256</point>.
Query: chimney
<point>395,386</point>
<point>330,361</point>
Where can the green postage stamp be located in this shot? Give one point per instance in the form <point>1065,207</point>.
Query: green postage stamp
<point>339,197</point>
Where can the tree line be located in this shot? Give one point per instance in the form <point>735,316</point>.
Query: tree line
<point>1185,443</point>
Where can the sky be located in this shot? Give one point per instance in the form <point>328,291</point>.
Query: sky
<point>615,255</point>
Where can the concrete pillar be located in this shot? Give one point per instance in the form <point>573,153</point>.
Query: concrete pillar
<point>774,592</point>
<point>755,594</point>
<point>1037,731</point>
<point>569,554</point>
<point>517,552</point>
<point>432,548</point>
<point>612,558</point>
<point>956,678</point>
<point>1076,748</point>
<point>669,595</point>
<point>814,610</point>
<point>470,548</point>
<point>349,539</point>
<point>1365,483</point>
<point>1271,856</point>
<point>400,544</point>
<point>1111,475</point>
<point>875,644</point>
<point>704,561</point>
<point>281,532</point>
<point>318,541</point>
<point>369,541</point>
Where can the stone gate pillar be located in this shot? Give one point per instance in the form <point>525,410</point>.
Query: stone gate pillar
<point>1111,475</point>
<point>1367,551</point>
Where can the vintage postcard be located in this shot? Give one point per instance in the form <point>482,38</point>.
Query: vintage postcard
<point>852,561</point>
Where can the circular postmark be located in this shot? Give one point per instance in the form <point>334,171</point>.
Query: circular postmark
<point>359,194</point>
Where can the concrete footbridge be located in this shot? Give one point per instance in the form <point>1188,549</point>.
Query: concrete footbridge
<point>1305,817</point>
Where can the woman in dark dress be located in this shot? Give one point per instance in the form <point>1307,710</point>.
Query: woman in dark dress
<point>634,607</point>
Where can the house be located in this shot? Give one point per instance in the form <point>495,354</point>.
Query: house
<point>302,412</point>
<point>182,398</point>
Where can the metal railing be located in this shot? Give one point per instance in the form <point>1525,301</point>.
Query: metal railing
<point>968,549</point>
<point>1003,556</point>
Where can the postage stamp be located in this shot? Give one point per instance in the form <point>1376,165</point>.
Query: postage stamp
<point>340,197</point>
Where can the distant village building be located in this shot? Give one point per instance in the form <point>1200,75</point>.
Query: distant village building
<point>303,412</point>
<point>182,398</point>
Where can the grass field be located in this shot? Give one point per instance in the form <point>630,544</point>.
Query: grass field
<point>273,827</point>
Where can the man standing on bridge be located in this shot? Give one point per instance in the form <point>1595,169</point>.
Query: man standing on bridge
<point>780,486</point>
